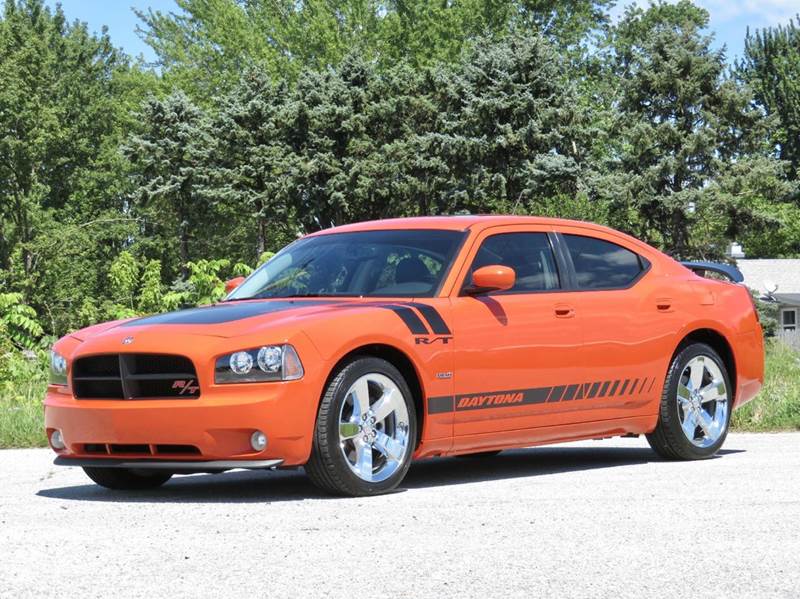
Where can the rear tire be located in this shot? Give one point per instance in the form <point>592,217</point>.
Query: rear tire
<point>125,479</point>
<point>695,407</point>
<point>366,430</point>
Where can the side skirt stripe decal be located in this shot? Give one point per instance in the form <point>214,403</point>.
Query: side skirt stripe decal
<point>520,397</point>
<point>440,405</point>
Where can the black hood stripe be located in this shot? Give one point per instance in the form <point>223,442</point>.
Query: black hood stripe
<point>229,312</point>
<point>225,312</point>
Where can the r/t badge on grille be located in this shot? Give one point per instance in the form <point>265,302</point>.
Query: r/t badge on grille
<point>127,341</point>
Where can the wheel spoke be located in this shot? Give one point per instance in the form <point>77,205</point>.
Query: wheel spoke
<point>705,421</point>
<point>713,391</point>
<point>348,430</point>
<point>684,395</point>
<point>386,404</point>
<point>360,394</point>
<point>696,371</point>
<point>364,460</point>
<point>689,424</point>
<point>389,447</point>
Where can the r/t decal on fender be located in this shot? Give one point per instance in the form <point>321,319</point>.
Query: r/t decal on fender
<point>431,340</point>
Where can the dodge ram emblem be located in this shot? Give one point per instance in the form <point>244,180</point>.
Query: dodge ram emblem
<point>127,341</point>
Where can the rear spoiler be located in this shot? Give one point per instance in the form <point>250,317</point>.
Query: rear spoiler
<point>726,270</point>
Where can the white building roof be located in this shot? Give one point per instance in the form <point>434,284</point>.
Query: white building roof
<point>779,278</point>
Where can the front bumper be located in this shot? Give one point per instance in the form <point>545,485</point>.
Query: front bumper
<point>184,466</point>
<point>215,427</point>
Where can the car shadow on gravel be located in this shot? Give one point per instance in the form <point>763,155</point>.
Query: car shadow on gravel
<point>292,485</point>
<point>523,463</point>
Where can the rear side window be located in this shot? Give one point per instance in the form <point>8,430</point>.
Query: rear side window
<point>600,264</point>
<point>529,254</point>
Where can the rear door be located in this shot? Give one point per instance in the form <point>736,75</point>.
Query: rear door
<point>629,323</point>
<point>515,352</point>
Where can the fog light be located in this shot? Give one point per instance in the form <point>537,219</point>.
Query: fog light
<point>258,441</point>
<point>57,441</point>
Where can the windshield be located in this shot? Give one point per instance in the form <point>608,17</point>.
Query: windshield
<point>403,263</point>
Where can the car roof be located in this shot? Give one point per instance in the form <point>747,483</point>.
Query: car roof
<point>456,223</point>
<point>478,222</point>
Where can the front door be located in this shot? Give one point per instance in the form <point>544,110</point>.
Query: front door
<point>516,351</point>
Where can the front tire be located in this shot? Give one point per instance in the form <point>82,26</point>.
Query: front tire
<point>125,479</point>
<point>696,406</point>
<point>366,430</point>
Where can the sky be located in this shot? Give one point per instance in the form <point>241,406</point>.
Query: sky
<point>729,19</point>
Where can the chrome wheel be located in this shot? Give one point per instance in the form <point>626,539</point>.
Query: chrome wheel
<point>702,401</point>
<point>373,428</point>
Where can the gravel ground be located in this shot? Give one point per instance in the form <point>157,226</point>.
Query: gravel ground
<point>593,519</point>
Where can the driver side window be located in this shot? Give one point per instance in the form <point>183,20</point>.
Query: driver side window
<point>529,254</point>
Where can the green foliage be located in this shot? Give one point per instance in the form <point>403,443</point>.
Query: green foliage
<point>777,406</point>
<point>688,137</point>
<point>771,66</point>
<point>23,379</point>
<point>151,296</point>
<point>18,322</point>
<point>205,285</point>
<point>205,44</point>
<point>126,191</point>
<point>767,314</point>
<point>168,156</point>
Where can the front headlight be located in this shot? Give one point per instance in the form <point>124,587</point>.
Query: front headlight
<point>258,365</point>
<point>58,369</point>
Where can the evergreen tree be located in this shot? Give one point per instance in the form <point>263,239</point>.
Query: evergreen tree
<point>205,45</point>
<point>170,156</point>
<point>680,123</point>
<point>771,66</point>
<point>253,164</point>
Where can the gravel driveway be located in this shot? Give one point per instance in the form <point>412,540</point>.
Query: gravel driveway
<point>592,519</point>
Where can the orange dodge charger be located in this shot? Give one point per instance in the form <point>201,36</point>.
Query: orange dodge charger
<point>357,349</point>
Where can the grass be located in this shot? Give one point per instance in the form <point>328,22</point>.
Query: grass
<point>22,415</point>
<point>776,408</point>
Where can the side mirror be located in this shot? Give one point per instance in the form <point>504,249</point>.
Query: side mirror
<point>492,278</point>
<point>233,284</point>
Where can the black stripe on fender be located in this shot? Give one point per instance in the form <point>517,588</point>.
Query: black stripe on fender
<point>409,317</point>
<point>435,320</point>
<point>440,405</point>
<point>613,389</point>
<point>624,386</point>
<point>604,388</point>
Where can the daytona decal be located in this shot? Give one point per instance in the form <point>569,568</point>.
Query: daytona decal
<point>521,397</point>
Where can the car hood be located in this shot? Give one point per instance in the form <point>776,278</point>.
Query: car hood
<point>223,320</point>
